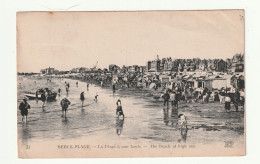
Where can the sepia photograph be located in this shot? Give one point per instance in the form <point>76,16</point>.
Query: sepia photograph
<point>124,84</point>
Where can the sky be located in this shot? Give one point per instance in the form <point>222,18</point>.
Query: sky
<point>66,40</point>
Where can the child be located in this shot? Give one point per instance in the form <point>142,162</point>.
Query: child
<point>227,103</point>
<point>119,109</point>
<point>24,106</point>
<point>182,120</point>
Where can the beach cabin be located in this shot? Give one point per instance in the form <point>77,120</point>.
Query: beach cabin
<point>218,83</point>
<point>203,83</point>
<point>189,80</point>
<point>165,78</point>
<point>238,81</point>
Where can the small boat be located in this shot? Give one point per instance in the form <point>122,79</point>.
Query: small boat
<point>32,96</point>
<point>50,95</point>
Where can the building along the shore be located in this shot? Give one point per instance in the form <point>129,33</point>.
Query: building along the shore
<point>49,71</point>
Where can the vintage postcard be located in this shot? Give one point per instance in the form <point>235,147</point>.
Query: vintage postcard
<point>131,84</point>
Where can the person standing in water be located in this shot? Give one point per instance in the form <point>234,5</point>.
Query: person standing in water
<point>82,98</point>
<point>43,98</point>
<point>119,109</point>
<point>64,106</point>
<point>59,91</point>
<point>95,99</point>
<point>67,90</point>
<point>166,99</point>
<point>87,85</point>
<point>37,95</point>
<point>24,106</point>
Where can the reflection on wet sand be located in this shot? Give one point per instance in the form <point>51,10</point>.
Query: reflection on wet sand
<point>25,134</point>
<point>184,132</point>
<point>83,113</point>
<point>174,117</point>
<point>65,121</point>
<point>119,126</point>
<point>166,116</point>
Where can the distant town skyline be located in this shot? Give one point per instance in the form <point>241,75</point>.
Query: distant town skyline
<point>66,40</point>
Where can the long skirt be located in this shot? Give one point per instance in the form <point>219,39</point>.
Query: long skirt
<point>227,105</point>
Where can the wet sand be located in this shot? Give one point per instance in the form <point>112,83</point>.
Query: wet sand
<point>146,119</point>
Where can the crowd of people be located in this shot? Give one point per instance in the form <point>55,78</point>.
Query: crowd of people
<point>173,93</point>
<point>181,94</point>
<point>172,96</point>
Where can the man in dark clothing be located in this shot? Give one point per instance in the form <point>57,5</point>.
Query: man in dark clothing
<point>43,98</point>
<point>178,95</point>
<point>166,98</point>
<point>24,106</point>
<point>82,98</point>
<point>236,99</point>
<point>64,106</point>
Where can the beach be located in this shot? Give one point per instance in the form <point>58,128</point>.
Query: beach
<point>146,120</point>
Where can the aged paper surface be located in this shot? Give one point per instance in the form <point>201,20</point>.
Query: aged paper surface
<point>130,84</point>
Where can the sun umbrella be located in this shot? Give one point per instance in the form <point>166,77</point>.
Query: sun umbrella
<point>152,85</point>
